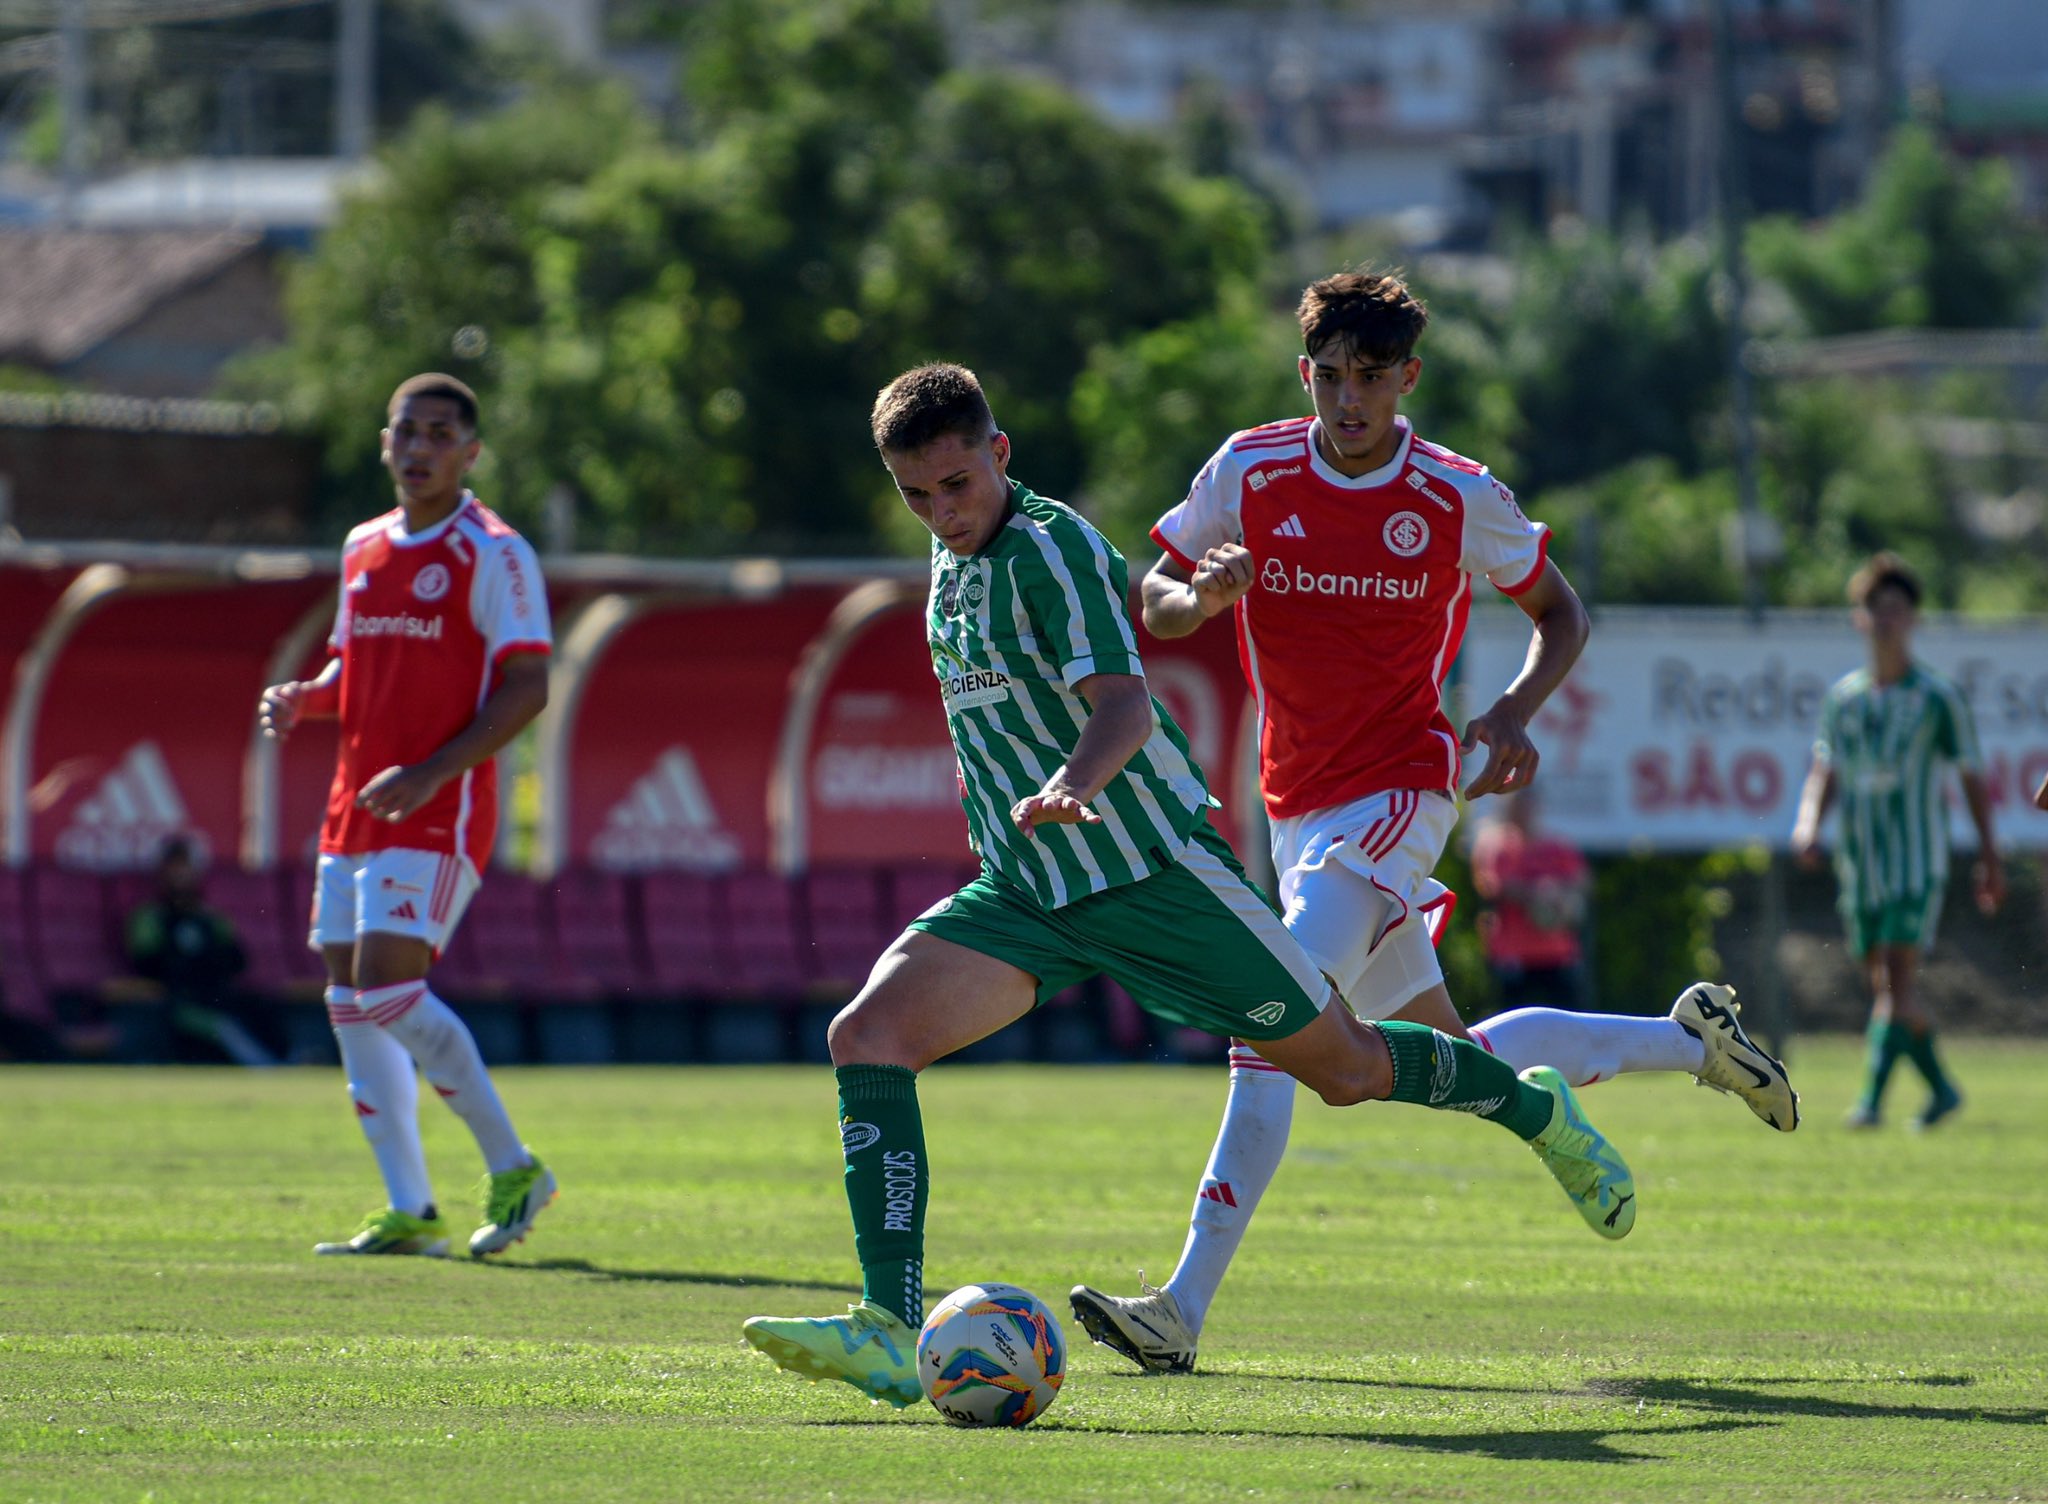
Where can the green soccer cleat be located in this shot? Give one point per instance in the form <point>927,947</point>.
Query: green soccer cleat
<point>512,1199</point>
<point>395,1232</point>
<point>868,1348</point>
<point>1588,1167</point>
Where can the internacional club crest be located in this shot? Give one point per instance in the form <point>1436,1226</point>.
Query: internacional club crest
<point>1405,535</point>
<point>431,583</point>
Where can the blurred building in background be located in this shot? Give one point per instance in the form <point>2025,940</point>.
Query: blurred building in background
<point>1456,119</point>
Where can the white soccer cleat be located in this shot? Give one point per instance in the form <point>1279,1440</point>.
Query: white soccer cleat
<point>1148,1329</point>
<point>1708,1012</point>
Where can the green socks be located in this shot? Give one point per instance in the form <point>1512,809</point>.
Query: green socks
<point>1887,1042</point>
<point>887,1183</point>
<point>1431,1069</point>
<point>1919,1048</point>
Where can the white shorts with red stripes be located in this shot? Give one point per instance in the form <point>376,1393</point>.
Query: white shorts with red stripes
<point>420,894</point>
<point>1358,893</point>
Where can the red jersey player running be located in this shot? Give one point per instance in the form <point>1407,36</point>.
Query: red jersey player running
<point>440,645</point>
<point>1348,547</point>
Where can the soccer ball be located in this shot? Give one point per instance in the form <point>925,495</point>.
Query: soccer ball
<point>991,1355</point>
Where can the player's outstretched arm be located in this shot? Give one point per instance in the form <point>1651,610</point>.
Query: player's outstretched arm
<point>1561,629</point>
<point>283,706</point>
<point>522,694</point>
<point>1176,599</point>
<point>1120,721</point>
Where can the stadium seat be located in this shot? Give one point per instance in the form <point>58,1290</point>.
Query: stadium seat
<point>301,960</point>
<point>913,887</point>
<point>763,936</point>
<point>595,926</point>
<point>21,994</point>
<point>255,904</point>
<point>847,925</point>
<point>682,926</point>
<point>71,940</point>
<point>503,947</point>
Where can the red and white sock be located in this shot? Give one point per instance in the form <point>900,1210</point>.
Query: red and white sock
<point>1257,1117</point>
<point>446,1050</point>
<point>1590,1047</point>
<point>386,1094</point>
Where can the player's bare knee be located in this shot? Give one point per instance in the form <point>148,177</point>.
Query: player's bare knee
<point>862,1033</point>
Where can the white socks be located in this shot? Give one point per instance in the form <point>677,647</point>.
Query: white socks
<point>386,1096</point>
<point>1589,1047</point>
<point>446,1050</point>
<point>1249,1148</point>
<point>1584,1047</point>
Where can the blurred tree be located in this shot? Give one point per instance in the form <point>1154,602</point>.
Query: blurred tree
<point>1150,410</point>
<point>1612,351</point>
<point>1936,242</point>
<point>690,335</point>
<point>428,269</point>
<point>1032,232</point>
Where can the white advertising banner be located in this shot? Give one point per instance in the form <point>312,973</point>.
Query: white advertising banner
<point>1686,729</point>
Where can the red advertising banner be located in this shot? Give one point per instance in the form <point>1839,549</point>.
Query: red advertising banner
<point>146,721</point>
<point>880,781</point>
<point>675,737</point>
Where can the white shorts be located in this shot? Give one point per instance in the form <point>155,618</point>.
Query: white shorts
<point>1358,894</point>
<point>420,894</point>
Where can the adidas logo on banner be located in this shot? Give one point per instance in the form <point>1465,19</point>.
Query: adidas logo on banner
<point>1218,1190</point>
<point>1291,528</point>
<point>404,911</point>
<point>123,821</point>
<point>665,820</point>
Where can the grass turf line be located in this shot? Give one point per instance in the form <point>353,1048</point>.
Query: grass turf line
<point>1418,1313</point>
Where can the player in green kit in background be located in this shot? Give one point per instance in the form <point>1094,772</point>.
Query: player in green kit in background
<point>1887,734</point>
<point>1092,825</point>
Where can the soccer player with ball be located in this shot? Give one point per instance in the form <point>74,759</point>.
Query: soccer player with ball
<point>441,644</point>
<point>1346,548</point>
<point>1097,854</point>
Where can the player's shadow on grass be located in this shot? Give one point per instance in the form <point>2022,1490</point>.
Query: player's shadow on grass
<point>1599,1445</point>
<point>675,1276</point>
<point>1739,1399</point>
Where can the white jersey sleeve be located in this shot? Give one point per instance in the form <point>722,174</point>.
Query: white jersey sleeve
<point>1500,542</point>
<point>508,601</point>
<point>1210,514</point>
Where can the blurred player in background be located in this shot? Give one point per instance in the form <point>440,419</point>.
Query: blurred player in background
<point>1349,549</point>
<point>1536,886</point>
<point>1888,733</point>
<point>1092,824</point>
<point>441,644</point>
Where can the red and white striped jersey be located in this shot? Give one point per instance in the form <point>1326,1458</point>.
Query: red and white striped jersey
<point>1358,604</point>
<point>424,622</point>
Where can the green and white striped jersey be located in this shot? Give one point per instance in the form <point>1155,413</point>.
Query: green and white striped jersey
<point>1012,631</point>
<point>1889,747</point>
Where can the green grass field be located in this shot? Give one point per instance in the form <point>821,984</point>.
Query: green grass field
<point>1418,1314</point>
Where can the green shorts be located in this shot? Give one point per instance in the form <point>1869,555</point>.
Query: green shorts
<point>1196,943</point>
<point>1904,922</point>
